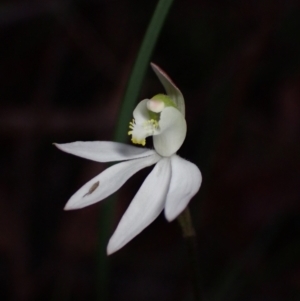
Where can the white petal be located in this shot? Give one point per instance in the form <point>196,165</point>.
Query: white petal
<point>104,151</point>
<point>172,132</point>
<point>109,181</point>
<point>170,88</point>
<point>185,182</point>
<point>140,112</point>
<point>144,208</point>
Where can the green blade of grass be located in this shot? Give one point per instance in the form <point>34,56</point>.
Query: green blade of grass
<point>139,68</point>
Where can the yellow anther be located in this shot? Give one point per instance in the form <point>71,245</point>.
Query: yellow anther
<point>135,141</point>
<point>139,132</point>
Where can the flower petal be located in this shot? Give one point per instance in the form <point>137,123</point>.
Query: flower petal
<point>172,132</point>
<point>107,182</point>
<point>145,206</point>
<point>185,182</point>
<point>104,151</point>
<point>170,88</point>
<point>140,112</point>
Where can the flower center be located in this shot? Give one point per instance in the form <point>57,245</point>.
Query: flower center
<point>148,127</point>
<point>155,105</point>
<point>140,132</point>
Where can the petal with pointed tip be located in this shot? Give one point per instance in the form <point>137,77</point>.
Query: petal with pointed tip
<point>107,182</point>
<point>172,132</point>
<point>170,88</point>
<point>104,151</point>
<point>185,182</point>
<point>147,204</point>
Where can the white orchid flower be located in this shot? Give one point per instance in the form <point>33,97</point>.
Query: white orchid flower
<point>170,185</point>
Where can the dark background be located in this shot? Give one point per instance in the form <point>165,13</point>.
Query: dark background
<point>64,67</point>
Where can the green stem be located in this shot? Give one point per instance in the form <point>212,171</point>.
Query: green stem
<point>130,97</point>
<point>190,237</point>
<point>139,68</point>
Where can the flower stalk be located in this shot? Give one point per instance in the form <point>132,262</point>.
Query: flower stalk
<point>190,238</point>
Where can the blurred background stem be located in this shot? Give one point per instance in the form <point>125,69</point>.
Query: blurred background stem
<point>190,237</point>
<point>130,97</point>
